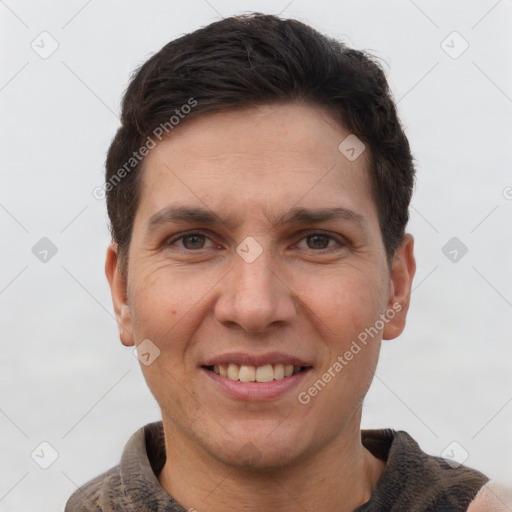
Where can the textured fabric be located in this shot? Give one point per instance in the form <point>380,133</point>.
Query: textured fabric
<point>412,480</point>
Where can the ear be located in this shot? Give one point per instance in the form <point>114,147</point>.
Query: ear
<point>118,289</point>
<point>403,268</point>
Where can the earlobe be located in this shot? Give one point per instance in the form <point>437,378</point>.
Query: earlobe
<point>402,273</point>
<point>118,291</point>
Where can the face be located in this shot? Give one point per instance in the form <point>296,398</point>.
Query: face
<point>256,253</point>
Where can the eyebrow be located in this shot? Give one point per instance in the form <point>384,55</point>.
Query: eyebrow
<point>176,214</point>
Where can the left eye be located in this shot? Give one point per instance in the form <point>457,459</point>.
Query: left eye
<point>318,241</point>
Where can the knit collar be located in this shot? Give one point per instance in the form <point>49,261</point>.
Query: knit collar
<point>412,480</point>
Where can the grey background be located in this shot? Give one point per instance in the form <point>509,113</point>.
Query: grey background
<point>65,377</point>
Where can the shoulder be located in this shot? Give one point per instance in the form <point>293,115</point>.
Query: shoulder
<point>132,479</point>
<point>492,497</point>
<point>415,480</point>
<point>96,494</point>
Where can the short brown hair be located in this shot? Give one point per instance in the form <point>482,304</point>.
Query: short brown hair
<point>248,61</point>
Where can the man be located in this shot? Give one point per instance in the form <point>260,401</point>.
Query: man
<point>258,192</point>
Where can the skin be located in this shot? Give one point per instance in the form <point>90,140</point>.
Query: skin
<point>195,298</point>
<point>492,497</point>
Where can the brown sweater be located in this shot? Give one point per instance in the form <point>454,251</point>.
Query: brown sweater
<point>412,480</point>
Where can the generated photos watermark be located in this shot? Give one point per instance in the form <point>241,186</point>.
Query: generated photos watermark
<point>363,337</point>
<point>137,156</point>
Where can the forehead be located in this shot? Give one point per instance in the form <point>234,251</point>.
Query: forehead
<point>266,157</point>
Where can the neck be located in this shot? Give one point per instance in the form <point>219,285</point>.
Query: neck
<point>341,477</point>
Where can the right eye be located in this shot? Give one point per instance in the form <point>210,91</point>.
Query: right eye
<point>191,241</point>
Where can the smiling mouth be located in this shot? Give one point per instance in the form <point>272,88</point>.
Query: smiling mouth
<point>265,373</point>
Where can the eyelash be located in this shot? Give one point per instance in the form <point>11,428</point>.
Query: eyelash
<point>342,243</point>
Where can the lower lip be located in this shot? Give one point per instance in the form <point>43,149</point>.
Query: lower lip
<point>256,391</point>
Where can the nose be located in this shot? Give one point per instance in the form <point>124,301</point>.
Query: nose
<point>255,296</point>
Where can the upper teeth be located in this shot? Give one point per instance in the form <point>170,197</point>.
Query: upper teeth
<point>264,373</point>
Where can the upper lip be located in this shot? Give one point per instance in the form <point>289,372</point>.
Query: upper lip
<point>244,358</point>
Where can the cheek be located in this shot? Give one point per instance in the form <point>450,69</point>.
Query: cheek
<point>167,307</point>
<point>345,303</point>
<point>159,300</point>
